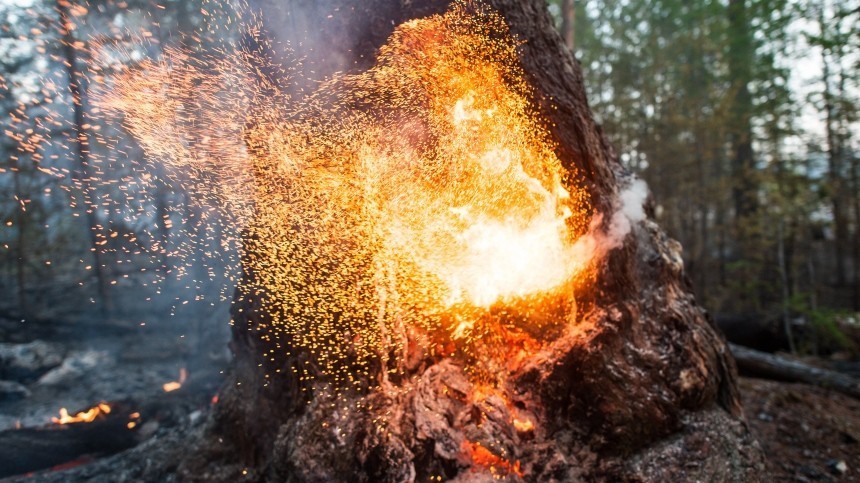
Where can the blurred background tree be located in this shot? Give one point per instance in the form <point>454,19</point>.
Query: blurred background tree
<point>742,117</point>
<point>91,230</point>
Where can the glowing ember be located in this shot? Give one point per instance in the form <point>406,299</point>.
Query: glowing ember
<point>171,386</point>
<point>134,419</point>
<point>524,425</point>
<point>174,385</point>
<point>499,467</point>
<point>87,416</point>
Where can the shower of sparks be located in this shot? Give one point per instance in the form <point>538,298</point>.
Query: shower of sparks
<point>419,203</point>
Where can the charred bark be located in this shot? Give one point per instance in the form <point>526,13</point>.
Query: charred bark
<point>34,449</point>
<point>628,393</point>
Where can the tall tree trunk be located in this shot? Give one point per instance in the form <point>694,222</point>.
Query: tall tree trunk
<point>783,278</point>
<point>744,184</point>
<point>568,23</point>
<point>855,165</point>
<point>834,167</point>
<point>639,386</point>
<point>835,148</point>
<point>740,65</point>
<point>20,242</point>
<point>84,175</point>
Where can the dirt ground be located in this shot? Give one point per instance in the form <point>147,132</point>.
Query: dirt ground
<point>807,433</point>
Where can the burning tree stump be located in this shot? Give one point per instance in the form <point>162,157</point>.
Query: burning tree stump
<point>448,275</point>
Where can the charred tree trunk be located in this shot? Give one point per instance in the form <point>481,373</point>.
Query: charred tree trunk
<point>640,387</point>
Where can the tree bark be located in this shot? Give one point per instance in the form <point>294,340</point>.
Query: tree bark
<point>642,388</point>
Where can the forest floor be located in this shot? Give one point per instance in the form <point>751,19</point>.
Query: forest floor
<point>807,433</point>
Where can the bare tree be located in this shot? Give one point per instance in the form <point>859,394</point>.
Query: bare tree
<point>84,179</point>
<point>568,23</point>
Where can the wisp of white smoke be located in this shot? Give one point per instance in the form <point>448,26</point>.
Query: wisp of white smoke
<point>630,210</point>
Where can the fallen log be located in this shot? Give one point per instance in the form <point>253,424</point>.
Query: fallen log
<point>32,449</point>
<point>127,424</point>
<point>751,362</point>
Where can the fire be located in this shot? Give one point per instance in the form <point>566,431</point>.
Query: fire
<point>524,425</point>
<point>423,193</point>
<point>174,385</point>
<point>499,467</point>
<point>134,420</point>
<point>87,416</point>
<point>171,386</point>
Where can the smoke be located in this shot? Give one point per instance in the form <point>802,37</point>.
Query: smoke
<point>630,210</point>
<point>601,239</point>
<point>309,41</point>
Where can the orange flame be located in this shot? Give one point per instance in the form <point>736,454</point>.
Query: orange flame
<point>421,193</point>
<point>87,416</point>
<point>174,385</point>
<point>171,386</point>
<point>524,425</point>
<point>498,466</point>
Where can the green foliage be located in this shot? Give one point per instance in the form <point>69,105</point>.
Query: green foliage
<point>826,325</point>
<point>677,85</point>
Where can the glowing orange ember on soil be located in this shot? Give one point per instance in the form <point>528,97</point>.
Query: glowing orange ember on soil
<point>174,385</point>
<point>171,386</point>
<point>87,416</point>
<point>497,465</point>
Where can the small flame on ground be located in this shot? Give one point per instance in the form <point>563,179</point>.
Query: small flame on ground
<point>134,420</point>
<point>174,385</point>
<point>87,416</point>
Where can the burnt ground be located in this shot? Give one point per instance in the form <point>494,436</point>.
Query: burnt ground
<point>115,361</point>
<point>807,433</point>
<point>122,361</point>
